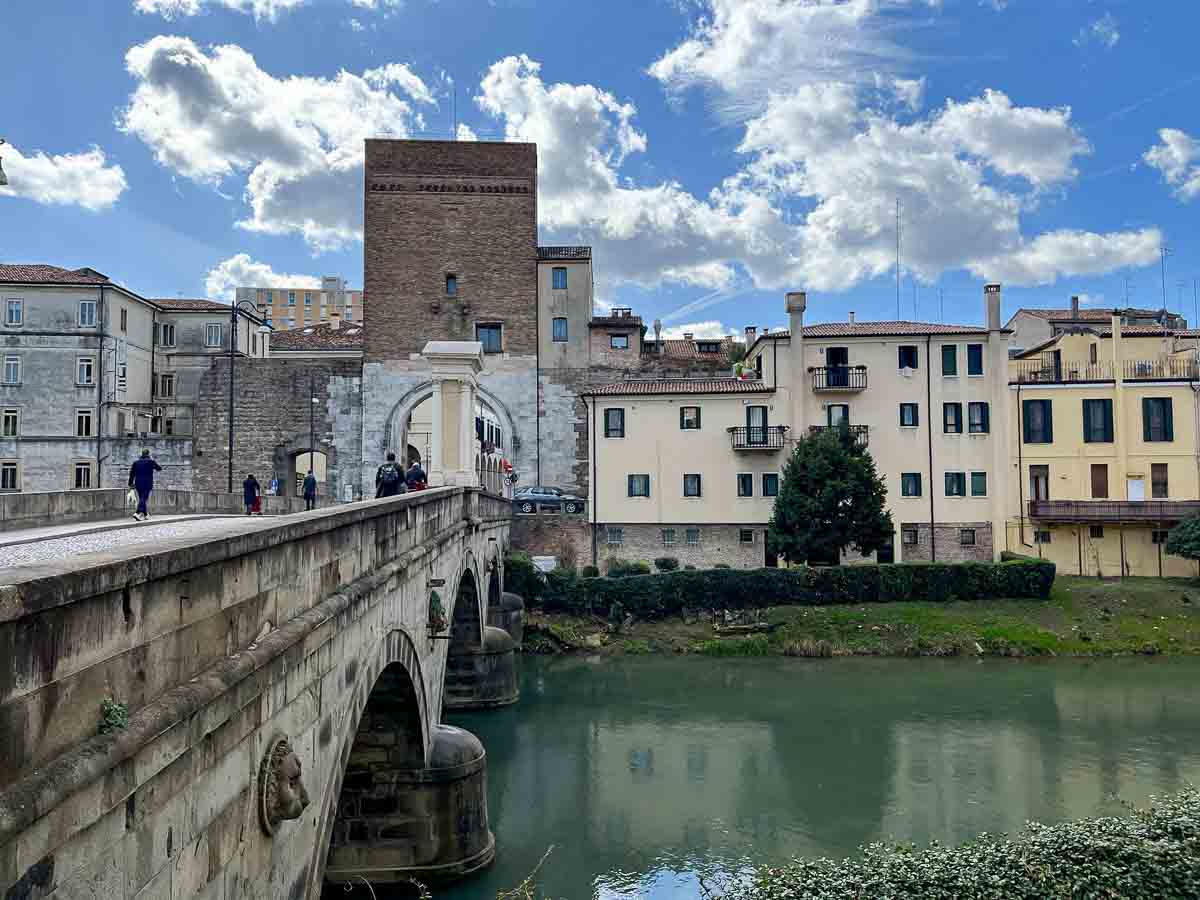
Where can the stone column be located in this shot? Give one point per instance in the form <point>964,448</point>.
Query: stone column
<point>466,441</point>
<point>437,468</point>
<point>458,362</point>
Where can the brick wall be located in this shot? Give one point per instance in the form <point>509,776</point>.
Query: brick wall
<point>950,548</point>
<point>271,420</point>
<point>549,535</point>
<point>434,208</point>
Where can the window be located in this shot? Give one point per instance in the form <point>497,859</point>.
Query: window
<point>490,337</point>
<point>9,479</point>
<point>618,341</point>
<point>291,298</point>
<point>166,387</point>
<point>974,359</point>
<point>83,423</point>
<point>559,278</point>
<point>836,414</point>
<point>952,418</point>
<point>979,484</point>
<point>909,416</point>
<point>83,475</point>
<point>745,485</point>
<point>451,285</point>
<point>558,329</point>
<point>1156,419</point>
<point>978,419</point>
<point>692,536</point>
<point>124,319</point>
<point>168,426</point>
<point>1037,419</point>
<point>1092,355</point>
<point>639,485</point>
<point>908,358</point>
<point>14,312</point>
<point>614,423</point>
<point>770,485</point>
<point>908,536</point>
<point>910,484</point>
<point>691,485</point>
<point>614,536</point>
<point>212,335</point>
<point>1159,537</point>
<point>966,537</point>
<point>349,316</point>
<point>949,359</point>
<point>307,299</point>
<point>1041,537</point>
<point>1097,421</point>
<point>84,370</point>
<point>10,425</point>
<point>168,335</point>
<point>956,484</point>
<point>689,418</point>
<point>1099,481</point>
<point>254,345</point>
<point>87,313</point>
<point>1158,481</point>
<point>12,370</point>
<point>668,537</point>
<point>746,535</point>
<point>1039,482</point>
<point>1095,532</point>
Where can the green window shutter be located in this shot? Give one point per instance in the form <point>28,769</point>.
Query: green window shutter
<point>1026,431</point>
<point>987,418</point>
<point>1168,424</point>
<point>1108,421</point>
<point>949,359</point>
<point>1049,421</point>
<point>1146,408</point>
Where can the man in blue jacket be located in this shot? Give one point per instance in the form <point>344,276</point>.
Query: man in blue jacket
<point>141,478</point>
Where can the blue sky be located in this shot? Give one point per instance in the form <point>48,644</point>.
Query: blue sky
<point>715,152</point>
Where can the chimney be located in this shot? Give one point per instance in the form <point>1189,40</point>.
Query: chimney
<point>658,345</point>
<point>335,320</point>
<point>751,334</point>
<point>851,317</point>
<point>687,335</point>
<point>991,300</point>
<point>1075,307</point>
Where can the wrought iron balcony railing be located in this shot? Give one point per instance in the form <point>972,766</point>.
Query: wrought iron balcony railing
<point>765,437</point>
<point>1055,373</point>
<point>1113,511</point>
<point>839,378</point>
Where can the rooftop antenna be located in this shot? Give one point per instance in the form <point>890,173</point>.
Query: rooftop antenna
<point>1128,289</point>
<point>454,114</point>
<point>897,258</point>
<point>941,304</point>
<point>916,314</point>
<point>1165,252</point>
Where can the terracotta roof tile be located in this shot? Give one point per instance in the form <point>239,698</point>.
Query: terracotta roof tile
<point>17,273</point>
<point>615,321</point>
<point>680,386</point>
<point>679,348</point>
<point>182,304</point>
<point>564,253</point>
<point>1088,315</point>
<point>349,336</point>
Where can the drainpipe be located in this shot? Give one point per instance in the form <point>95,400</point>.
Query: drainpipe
<point>595,487</point>
<point>100,394</point>
<point>1020,470</point>
<point>929,439</point>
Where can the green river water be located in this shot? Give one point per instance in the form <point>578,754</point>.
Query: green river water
<point>645,772</point>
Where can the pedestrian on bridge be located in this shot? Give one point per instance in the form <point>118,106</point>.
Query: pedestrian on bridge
<point>310,490</point>
<point>141,479</point>
<point>389,479</point>
<point>251,490</point>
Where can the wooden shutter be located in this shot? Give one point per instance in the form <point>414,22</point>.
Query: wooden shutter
<point>1108,420</point>
<point>1147,406</point>
<point>1168,424</point>
<point>1099,481</point>
<point>1025,428</point>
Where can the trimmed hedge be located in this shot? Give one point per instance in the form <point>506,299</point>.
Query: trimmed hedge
<point>522,577</point>
<point>656,596</point>
<point>1153,853</point>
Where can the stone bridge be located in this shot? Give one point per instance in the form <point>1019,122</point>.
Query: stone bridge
<point>257,715</point>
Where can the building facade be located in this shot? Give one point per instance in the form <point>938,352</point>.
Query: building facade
<point>287,306</point>
<point>1031,327</point>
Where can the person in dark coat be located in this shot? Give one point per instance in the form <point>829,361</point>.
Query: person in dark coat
<point>141,479</point>
<point>415,479</point>
<point>389,479</point>
<point>250,492</point>
<point>310,490</point>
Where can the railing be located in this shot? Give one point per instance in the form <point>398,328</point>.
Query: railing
<point>1042,373</point>
<point>839,378</point>
<point>1113,511</point>
<point>1153,369</point>
<point>758,437</point>
<point>859,431</point>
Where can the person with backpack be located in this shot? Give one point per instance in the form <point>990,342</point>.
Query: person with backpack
<point>310,490</point>
<point>141,478</point>
<point>389,479</point>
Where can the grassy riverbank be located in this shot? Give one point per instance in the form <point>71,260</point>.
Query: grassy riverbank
<point>1083,616</point>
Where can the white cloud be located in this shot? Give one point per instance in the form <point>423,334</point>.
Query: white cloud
<point>1065,252</point>
<point>710,329</point>
<point>1103,31</point>
<point>242,271</point>
<point>174,9</point>
<point>69,179</point>
<point>464,132</point>
<point>1178,159</point>
<point>215,115</point>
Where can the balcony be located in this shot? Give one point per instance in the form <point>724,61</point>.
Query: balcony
<point>766,437</point>
<point>859,431</point>
<point>1055,372</point>
<point>831,379</point>
<point>1113,511</point>
<point>1161,370</point>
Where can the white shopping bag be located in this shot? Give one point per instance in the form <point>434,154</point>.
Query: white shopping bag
<point>131,498</point>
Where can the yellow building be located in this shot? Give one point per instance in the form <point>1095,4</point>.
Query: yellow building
<point>288,306</point>
<point>1105,420</point>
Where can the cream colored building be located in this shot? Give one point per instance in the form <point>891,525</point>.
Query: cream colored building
<point>1104,435</point>
<point>287,306</point>
<point>689,468</point>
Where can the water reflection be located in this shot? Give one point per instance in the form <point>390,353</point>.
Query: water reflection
<point>649,773</point>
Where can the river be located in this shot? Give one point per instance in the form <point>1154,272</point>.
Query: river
<point>645,772</point>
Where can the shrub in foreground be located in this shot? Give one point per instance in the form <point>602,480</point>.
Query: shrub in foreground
<point>1151,853</point>
<point>666,563</point>
<point>623,568</point>
<point>590,572</point>
<point>521,576</point>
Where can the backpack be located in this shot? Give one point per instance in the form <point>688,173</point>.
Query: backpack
<point>389,476</point>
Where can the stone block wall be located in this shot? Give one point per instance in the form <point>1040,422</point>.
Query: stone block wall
<point>949,546</point>
<point>718,544</point>
<point>551,534</point>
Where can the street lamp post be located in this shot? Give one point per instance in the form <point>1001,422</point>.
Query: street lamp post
<point>312,421</point>
<point>264,329</point>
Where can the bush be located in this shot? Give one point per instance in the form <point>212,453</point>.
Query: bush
<point>654,596</point>
<point>722,566</point>
<point>689,568</point>
<point>522,577</point>
<point>1148,853</point>
<point>591,572</point>
<point>623,568</point>
<point>666,564</point>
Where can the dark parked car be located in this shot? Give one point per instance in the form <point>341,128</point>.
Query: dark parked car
<point>528,499</point>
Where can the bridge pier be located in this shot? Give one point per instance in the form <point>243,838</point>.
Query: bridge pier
<point>483,677</point>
